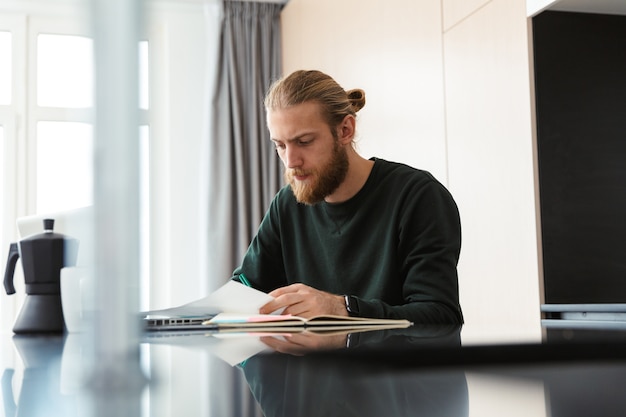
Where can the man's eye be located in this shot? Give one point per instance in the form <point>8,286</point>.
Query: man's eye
<point>279,146</point>
<point>304,142</point>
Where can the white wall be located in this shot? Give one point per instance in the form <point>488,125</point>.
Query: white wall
<point>392,50</point>
<point>448,90</point>
<point>182,68</point>
<point>490,143</point>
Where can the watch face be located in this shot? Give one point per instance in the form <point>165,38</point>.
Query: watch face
<point>352,306</point>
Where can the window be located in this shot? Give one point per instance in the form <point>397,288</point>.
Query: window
<point>63,139</point>
<point>64,166</point>
<point>64,147</point>
<point>144,76</point>
<point>5,68</point>
<point>64,71</point>
<point>1,179</point>
<point>6,81</point>
<point>5,99</point>
<point>46,118</point>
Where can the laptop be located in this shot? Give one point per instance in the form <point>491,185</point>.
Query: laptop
<point>232,297</point>
<point>177,324</point>
<point>189,316</point>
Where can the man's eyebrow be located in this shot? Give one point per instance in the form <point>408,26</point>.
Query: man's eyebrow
<point>294,139</point>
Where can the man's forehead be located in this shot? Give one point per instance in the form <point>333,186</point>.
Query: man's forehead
<point>295,121</point>
<point>310,106</point>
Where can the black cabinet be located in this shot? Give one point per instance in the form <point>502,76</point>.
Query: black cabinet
<point>580,90</point>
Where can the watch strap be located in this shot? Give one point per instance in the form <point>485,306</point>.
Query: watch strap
<point>352,305</point>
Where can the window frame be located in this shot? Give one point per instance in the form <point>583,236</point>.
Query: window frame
<point>175,119</point>
<point>72,25</point>
<point>12,118</point>
<point>21,117</point>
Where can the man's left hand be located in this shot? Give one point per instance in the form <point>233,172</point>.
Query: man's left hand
<point>304,301</point>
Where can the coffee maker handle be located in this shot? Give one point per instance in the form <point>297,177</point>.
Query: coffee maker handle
<point>14,255</point>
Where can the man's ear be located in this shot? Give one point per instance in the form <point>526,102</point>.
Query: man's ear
<point>346,129</point>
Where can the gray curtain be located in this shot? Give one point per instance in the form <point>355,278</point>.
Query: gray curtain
<point>244,171</point>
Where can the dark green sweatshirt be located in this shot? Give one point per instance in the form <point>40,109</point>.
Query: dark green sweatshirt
<point>394,246</point>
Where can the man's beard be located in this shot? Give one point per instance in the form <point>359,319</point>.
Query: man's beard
<point>323,181</point>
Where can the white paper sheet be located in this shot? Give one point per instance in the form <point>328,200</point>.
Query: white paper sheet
<point>232,297</point>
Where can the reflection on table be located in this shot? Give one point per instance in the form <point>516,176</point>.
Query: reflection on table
<point>287,385</point>
<point>416,371</point>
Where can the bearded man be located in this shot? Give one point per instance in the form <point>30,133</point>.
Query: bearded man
<point>349,235</point>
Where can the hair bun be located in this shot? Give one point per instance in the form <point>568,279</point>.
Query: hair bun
<point>357,98</point>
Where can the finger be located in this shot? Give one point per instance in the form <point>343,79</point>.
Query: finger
<point>284,301</point>
<point>296,309</point>
<point>285,290</point>
<point>270,307</point>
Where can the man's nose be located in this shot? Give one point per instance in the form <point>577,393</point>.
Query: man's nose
<point>293,157</point>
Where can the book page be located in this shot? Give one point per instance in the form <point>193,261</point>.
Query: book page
<point>233,297</point>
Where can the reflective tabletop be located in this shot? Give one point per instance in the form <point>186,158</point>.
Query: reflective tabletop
<point>419,371</point>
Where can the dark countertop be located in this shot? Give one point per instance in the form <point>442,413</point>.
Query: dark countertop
<point>422,371</point>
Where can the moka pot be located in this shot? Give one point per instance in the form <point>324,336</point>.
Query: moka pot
<point>43,255</point>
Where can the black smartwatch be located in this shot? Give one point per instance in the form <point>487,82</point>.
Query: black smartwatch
<point>351,305</point>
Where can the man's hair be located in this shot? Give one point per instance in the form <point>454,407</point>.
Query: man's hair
<point>303,86</point>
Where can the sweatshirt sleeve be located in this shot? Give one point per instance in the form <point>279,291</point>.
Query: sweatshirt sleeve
<point>429,243</point>
<point>262,264</point>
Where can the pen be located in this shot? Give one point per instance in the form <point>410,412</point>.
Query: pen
<point>244,280</point>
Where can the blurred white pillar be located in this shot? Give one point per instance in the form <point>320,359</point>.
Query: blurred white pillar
<point>116,197</point>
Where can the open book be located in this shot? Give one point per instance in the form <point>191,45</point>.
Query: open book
<point>238,307</point>
<point>225,321</point>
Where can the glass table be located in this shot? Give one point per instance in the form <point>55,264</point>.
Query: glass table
<point>419,371</point>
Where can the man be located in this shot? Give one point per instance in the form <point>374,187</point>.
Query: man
<point>349,235</point>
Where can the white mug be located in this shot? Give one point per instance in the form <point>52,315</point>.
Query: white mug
<point>76,297</point>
